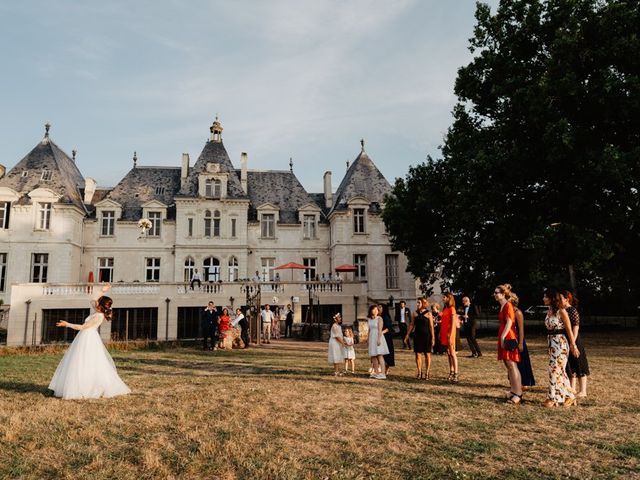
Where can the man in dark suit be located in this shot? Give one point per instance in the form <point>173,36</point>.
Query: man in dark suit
<point>209,319</point>
<point>469,315</point>
<point>403,317</point>
<point>288,324</point>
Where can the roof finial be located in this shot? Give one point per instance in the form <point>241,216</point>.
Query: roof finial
<point>291,164</point>
<point>47,126</point>
<point>362,143</point>
<point>216,130</point>
<point>73,155</point>
<point>135,159</point>
<point>347,164</point>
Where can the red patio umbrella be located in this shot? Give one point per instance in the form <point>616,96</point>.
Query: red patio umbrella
<point>291,266</point>
<point>346,268</point>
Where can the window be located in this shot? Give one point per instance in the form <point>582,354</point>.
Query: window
<point>309,268</point>
<point>207,223</point>
<point>234,271</point>
<point>5,211</point>
<point>360,261</point>
<point>44,216</point>
<point>309,226</point>
<point>39,267</point>
<point>25,173</point>
<point>3,271</point>
<point>358,220</point>
<point>159,190</point>
<point>216,223</point>
<point>391,271</point>
<point>233,228</point>
<point>105,269</point>
<point>267,225</point>
<point>211,268</point>
<point>108,223</point>
<point>189,227</point>
<point>267,268</point>
<point>46,175</point>
<point>152,270</point>
<point>189,269</point>
<point>155,218</point>
<point>213,188</point>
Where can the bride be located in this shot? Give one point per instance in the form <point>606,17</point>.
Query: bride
<point>87,370</point>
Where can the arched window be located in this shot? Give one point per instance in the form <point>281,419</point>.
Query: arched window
<point>216,223</point>
<point>211,269</point>
<point>189,269</point>
<point>234,271</point>
<point>207,223</point>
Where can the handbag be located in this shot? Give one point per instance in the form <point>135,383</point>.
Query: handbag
<point>510,344</point>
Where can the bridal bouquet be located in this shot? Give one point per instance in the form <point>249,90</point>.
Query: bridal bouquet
<point>144,224</point>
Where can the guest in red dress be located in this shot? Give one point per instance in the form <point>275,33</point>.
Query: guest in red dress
<point>507,331</point>
<point>224,325</point>
<point>448,328</point>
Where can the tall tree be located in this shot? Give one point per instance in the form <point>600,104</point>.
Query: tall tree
<point>540,170</point>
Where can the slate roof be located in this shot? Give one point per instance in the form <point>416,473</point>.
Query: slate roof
<point>66,180</point>
<point>143,184</point>
<point>363,179</point>
<point>214,152</point>
<point>280,188</point>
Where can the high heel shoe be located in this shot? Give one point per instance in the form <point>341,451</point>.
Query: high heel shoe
<point>455,378</point>
<point>514,399</point>
<point>419,375</point>
<point>548,403</point>
<point>569,402</point>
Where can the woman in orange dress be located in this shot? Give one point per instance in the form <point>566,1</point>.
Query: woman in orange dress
<point>448,327</point>
<point>223,326</point>
<point>508,341</point>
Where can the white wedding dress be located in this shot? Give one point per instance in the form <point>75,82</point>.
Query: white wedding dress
<point>87,370</point>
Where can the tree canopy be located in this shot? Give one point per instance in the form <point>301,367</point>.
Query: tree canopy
<point>540,169</point>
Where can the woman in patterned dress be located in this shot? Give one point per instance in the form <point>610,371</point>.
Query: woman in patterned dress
<point>507,331</point>
<point>561,341</point>
<point>577,367</point>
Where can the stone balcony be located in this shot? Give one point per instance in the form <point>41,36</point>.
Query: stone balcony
<point>29,300</point>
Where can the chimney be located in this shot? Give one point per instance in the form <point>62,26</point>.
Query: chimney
<point>89,189</point>
<point>328,196</point>
<point>3,170</point>
<point>184,171</point>
<point>243,171</point>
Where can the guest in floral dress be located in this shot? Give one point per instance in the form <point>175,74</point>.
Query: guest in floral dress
<point>275,323</point>
<point>561,341</point>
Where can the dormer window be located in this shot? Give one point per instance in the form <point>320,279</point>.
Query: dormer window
<point>46,175</point>
<point>25,173</point>
<point>358,220</point>
<point>309,226</point>
<point>213,188</point>
<point>267,225</point>
<point>159,190</point>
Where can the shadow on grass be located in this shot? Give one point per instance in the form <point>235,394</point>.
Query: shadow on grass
<point>19,387</point>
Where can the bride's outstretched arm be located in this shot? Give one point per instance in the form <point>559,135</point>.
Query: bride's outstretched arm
<point>76,326</point>
<point>97,293</point>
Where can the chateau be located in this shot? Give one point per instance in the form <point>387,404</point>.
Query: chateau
<point>60,232</point>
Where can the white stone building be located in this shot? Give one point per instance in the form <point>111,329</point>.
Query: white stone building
<point>59,232</point>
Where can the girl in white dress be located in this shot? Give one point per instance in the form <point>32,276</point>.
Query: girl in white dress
<point>336,342</point>
<point>377,343</point>
<point>349,351</point>
<point>87,370</point>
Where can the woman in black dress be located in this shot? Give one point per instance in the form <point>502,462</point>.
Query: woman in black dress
<point>524,365</point>
<point>423,337</point>
<point>387,330</point>
<point>577,367</point>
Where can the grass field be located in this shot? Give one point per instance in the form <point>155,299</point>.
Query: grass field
<point>277,412</point>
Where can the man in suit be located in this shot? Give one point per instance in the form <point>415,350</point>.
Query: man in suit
<point>403,317</point>
<point>469,320</point>
<point>209,319</point>
<point>288,324</point>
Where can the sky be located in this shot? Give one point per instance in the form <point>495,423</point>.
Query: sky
<point>300,79</point>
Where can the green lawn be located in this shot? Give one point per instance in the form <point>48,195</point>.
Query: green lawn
<point>277,412</point>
